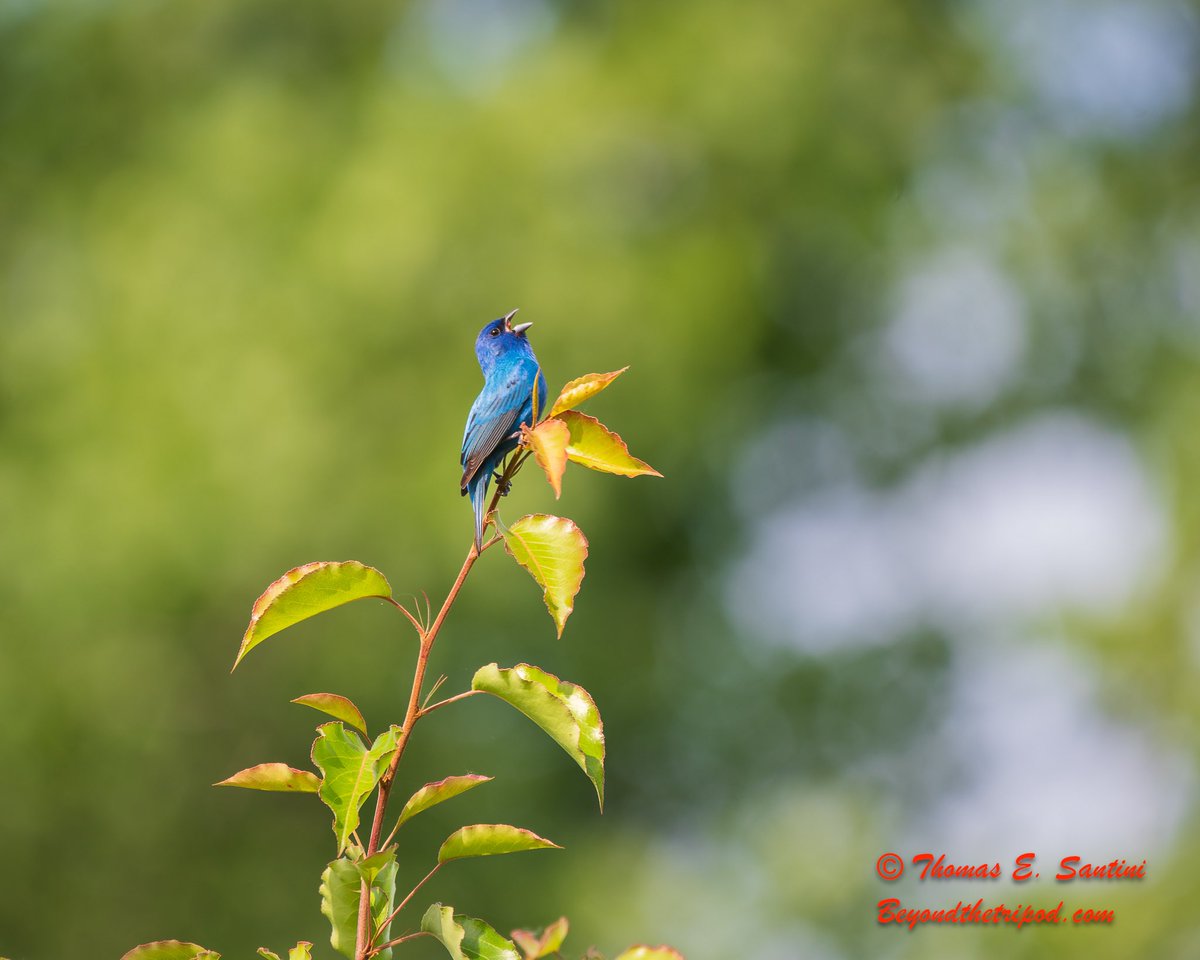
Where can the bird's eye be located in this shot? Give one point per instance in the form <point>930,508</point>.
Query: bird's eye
<point>495,332</point>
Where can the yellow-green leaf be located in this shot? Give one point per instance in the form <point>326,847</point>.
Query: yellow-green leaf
<point>466,938</point>
<point>278,777</point>
<point>168,950</point>
<point>340,708</point>
<point>548,441</point>
<point>490,839</point>
<point>565,711</point>
<point>650,953</point>
<point>579,389</point>
<point>598,448</point>
<point>341,885</point>
<point>306,591</point>
<point>536,945</point>
<point>350,771</point>
<point>434,793</point>
<point>552,549</point>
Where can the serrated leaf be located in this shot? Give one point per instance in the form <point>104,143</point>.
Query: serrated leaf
<point>341,884</point>
<point>491,839</point>
<point>598,448</point>
<point>565,711</point>
<point>169,950</point>
<point>350,772</point>
<point>548,441</point>
<point>277,777</point>
<point>579,389</point>
<point>466,938</point>
<point>552,549</point>
<point>543,943</point>
<point>650,953</point>
<point>340,708</point>
<point>306,591</point>
<point>434,793</point>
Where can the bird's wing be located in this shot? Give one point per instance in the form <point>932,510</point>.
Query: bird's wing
<point>493,417</point>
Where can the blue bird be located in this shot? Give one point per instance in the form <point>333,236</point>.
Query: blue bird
<point>510,375</point>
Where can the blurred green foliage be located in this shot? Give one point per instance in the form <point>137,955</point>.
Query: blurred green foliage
<point>244,250</point>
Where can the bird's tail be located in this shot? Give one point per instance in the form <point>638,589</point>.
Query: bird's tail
<point>478,490</point>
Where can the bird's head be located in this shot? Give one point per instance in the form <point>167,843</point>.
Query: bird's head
<point>501,338</point>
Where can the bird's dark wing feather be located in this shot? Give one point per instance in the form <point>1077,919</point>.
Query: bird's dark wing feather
<point>493,417</point>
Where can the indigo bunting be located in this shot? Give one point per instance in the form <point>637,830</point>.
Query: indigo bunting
<point>510,375</point>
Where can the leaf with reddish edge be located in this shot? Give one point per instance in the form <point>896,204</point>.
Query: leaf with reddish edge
<point>641,952</point>
<point>581,388</point>
<point>536,945</point>
<point>491,839</point>
<point>301,951</point>
<point>169,950</point>
<point>434,793</point>
<point>598,448</point>
<point>565,711</point>
<point>340,708</point>
<point>548,441</point>
<point>306,591</point>
<point>277,777</point>
<point>552,549</point>
<point>466,938</point>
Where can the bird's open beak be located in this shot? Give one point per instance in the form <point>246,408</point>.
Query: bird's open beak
<point>517,328</point>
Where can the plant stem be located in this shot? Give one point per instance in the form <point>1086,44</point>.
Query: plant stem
<point>413,714</point>
<point>399,940</point>
<point>448,701</point>
<point>404,903</point>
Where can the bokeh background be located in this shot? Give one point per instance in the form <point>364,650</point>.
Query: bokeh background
<point>911,295</point>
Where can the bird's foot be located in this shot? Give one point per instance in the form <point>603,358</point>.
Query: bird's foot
<point>503,487</point>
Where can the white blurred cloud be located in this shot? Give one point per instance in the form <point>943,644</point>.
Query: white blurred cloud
<point>1115,68</point>
<point>1040,766</point>
<point>1057,513</point>
<point>957,335</point>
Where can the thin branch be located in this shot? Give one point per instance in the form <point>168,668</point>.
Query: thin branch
<point>406,728</point>
<point>398,941</point>
<point>428,635</point>
<point>448,701</point>
<point>411,619</point>
<point>437,684</point>
<point>404,903</point>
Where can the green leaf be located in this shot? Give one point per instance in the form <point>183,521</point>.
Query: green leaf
<point>650,953</point>
<point>552,549</point>
<point>370,867</point>
<point>278,777</point>
<point>306,591</point>
<point>490,839</point>
<point>267,954</point>
<point>579,389</point>
<point>341,884</point>
<point>466,938</point>
<point>301,951</point>
<point>340,708</point>
<point>549,441</point>
<point>598,448</point>
<point>350,772</point>
<point>434,793</point>
<point>536,945</point>
<point>169,950</point>
<point>564,710</point>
